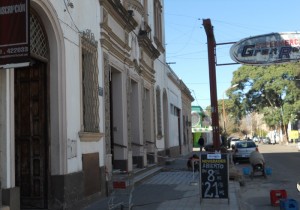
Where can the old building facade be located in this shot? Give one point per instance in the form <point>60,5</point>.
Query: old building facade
<point>97,97</point>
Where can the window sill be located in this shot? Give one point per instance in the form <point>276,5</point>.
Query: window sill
<point>90,137</point>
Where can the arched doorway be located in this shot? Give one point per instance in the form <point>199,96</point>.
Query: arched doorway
<point>31,89</point>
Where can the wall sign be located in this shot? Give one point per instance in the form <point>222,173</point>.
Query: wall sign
<point>267,49</point>
<point>14,31</point>
<point>214,176</point>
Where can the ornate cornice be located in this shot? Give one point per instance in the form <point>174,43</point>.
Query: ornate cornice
<point>117,10</point>
<point>159,45</point>
<point>147,46</point>
<point>147,72</point>
<point>135,5</point>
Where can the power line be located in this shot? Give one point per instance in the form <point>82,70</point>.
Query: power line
<point>67,9</point>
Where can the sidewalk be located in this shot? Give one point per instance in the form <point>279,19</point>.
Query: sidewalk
<point>175,188</point>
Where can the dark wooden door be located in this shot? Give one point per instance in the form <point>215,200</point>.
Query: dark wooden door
<point>31,135</point>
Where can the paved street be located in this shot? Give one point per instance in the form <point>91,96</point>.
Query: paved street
<point>284,162</point>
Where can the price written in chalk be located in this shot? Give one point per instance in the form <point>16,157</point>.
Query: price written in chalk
<point>214,176</point>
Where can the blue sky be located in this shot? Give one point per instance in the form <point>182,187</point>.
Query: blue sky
<point>232,20</point>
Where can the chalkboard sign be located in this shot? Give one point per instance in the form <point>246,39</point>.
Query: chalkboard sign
<point>214,176</point>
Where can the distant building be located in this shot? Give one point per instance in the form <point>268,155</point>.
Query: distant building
<point>201,126</point>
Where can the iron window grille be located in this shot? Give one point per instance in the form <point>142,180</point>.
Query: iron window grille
<point>90,82</point>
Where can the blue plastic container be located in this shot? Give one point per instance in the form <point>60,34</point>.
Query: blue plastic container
<point>268,171</point>
<point>246,171</point>
<point>288,204</point>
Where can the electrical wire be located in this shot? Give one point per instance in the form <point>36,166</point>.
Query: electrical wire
<point>67,9</point>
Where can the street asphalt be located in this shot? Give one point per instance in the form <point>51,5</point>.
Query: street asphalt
<point>256,192</point>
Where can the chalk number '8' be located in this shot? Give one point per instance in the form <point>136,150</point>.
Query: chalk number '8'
<point>211,176</point>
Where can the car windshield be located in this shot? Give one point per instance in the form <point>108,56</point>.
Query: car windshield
<point>246,144</point>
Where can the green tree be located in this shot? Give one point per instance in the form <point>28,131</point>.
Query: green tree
<point>231,122</point>
<point>271,90</point>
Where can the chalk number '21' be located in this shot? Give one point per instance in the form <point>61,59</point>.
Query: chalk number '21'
<point>211,184</point>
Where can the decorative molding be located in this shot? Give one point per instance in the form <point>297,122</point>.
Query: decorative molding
<point>89,36</point>
<point>148,47</point>
<point>105,16</point>
<point>137,68</point>
<point>135,5</point>
<point>107,72</point>
<point>159,45</point>
<point>120,14</point>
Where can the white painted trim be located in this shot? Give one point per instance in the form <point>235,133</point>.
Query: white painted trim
<point>58,118</point>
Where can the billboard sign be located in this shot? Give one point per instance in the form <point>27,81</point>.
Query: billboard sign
<point>14,31</point>
<point>267,49</point>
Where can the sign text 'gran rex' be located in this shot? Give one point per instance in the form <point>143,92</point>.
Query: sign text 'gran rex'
<point>267,49</point>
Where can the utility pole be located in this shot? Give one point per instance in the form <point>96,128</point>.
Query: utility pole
<point>211,46</point>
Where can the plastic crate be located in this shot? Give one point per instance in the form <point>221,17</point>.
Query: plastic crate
<point>276,195</point>
<point>119,184</point>
<point>288,204</point>
<point>246,171</point>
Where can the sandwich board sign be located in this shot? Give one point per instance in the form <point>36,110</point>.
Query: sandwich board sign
<point>214,176</point>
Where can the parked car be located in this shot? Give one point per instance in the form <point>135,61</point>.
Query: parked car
<point>233,141</point>
<point>243,149</point>
<point>266,140</point>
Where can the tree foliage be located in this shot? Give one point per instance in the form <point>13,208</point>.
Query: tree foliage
<point>271,90</point>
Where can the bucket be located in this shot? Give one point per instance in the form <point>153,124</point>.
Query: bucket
<point>288,204</point>
<point>246,171</point>
<point>268,171</point>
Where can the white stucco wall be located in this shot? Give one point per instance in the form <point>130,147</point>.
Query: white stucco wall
<point>71,22</point>
<point>161,82</point>
<point>74,21</point>
<point>175,98</point>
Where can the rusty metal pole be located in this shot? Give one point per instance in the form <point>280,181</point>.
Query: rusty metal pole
<point>211,45</point>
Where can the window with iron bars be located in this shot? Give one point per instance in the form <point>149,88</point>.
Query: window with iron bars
<point>90,85</point>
